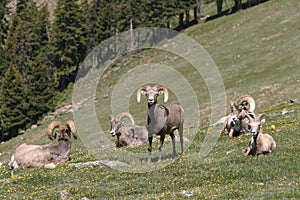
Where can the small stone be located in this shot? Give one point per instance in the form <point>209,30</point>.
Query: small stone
<point>50,166</point>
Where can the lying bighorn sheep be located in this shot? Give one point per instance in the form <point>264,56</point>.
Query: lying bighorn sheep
<point>161,120</point>
<point>260,143</point>
<point>38,156</point>
<point>236,122</point>
<point>127,136</point>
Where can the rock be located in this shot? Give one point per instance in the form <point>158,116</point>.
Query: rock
<point>50,166</point>
<point>99,162</point>
<point>34,126</point>
<point>186,193</point>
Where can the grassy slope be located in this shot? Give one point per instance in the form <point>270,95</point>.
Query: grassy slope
<point>257,51</point>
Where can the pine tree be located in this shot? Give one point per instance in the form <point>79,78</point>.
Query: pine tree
<point>13,102</point>
<point>25,46</point>
<point>3,21</point>
<point>25,39</point>
<point>40,89</point>
<point>68,42</point>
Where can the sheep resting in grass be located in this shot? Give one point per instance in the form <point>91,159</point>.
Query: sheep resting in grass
<point>127,136</point>
<point>260,143</point>
<point>236,123</point>
<point>161,120</point>
<point>37,156</point>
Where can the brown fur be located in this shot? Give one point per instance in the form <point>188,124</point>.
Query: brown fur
<point>27,155</point>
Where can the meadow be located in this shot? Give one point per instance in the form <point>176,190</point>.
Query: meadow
<point>257,52</point>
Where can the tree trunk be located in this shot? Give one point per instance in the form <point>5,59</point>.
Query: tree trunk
<point>219,6</point>
<point>187,17</point>
<point>198,10</point>
<point>181,15</point>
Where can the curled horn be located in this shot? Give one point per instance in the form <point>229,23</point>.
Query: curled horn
<point>140,89</point>
<point>166,92</point>
<point>126,114</point>
<point>71,125</point>
<point>259,116</point>
<point>249,100</point>
<point>249,117</point>
<point>51,128</point>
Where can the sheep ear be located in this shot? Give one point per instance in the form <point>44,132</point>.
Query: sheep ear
<point>263,121</point>
<point>111,117</point>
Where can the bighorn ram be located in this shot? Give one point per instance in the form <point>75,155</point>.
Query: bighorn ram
<point>161,120</point>
<point>260,143</point>
<point>236,122</point>
<point>127,136</point>
<point>38,156</point>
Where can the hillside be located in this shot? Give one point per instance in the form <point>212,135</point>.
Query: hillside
<point>257,52</point>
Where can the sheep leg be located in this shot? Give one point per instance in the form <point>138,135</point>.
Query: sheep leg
<point>224,127</point>
<point>173,144</point>
<point>162,139</point>
<point>231,133</point>
<point>247,151</point>
<point>149,148</point>
<point>181,138</point>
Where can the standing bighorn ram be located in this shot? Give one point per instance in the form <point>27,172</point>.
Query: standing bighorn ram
<point>236,123</point>
<point>127,136</point>
<point>260,143</point>
<point>161,120</point>
<point>38,156</point>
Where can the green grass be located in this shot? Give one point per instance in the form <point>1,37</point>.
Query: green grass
<point>257,52</point>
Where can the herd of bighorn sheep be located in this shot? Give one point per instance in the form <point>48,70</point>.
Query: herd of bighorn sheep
<point>161,120</point>
<point>242,120</point>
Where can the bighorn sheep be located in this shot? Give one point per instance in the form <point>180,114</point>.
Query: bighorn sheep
<point>38,156</point>
<point>236,122</point>
<point>127,136</point>
<point>260,143</point>
<point>161,120</point>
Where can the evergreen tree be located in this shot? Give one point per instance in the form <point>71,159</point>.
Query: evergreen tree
<point>68,42</point>
<point>13,102</point>
<point>25,46</point>
<point>26,38</point>
<point>21,6</point>
<point>3,21</point>
<point>40,89</point>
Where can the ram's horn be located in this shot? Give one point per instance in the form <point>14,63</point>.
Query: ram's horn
<point>51,128</point>
<point>139,92</point>
<point>165,90</point>
<point>249,117</point>
<point>71,125</point>
<point>246,101</point>
<point>259,116</point>
<point>128,115</point>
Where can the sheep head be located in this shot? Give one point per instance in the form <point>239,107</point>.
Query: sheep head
<point>64,129</point>
<point>246,102</point>
<point>152,93</point>
<point>116,122</point>
<point>254,124</point>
